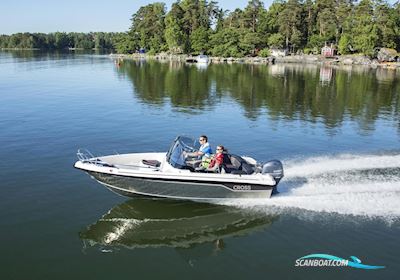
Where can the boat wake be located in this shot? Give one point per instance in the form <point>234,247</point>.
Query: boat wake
<point>361,185</point>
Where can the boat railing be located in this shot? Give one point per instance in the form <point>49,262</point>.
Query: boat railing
<point>86,156</point>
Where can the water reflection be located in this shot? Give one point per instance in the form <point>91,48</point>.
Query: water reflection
<point>386,75</point>
<point>325,75</point>
<point>153,223</point>
<point>40,55</point>
<point>185,86</point>
<point>32,60</point>
<point>201,66</point>
<point>290,92</point>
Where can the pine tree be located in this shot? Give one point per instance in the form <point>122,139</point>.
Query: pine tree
<point>384,17</point>
<point>174,34</point>
<point>364,29</point>
<point>148,27</point>
<point>289,23</point>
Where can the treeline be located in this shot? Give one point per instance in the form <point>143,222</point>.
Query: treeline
<point>58,40</point>
<point>195,26</point>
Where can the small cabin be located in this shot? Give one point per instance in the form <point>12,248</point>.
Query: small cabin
<point>328,51</point>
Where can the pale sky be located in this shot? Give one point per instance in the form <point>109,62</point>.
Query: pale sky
<point>79,15</point>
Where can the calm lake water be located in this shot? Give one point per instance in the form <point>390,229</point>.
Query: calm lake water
<point>337,132</point>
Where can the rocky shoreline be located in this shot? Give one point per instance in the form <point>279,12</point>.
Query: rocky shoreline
<point>308,59</point>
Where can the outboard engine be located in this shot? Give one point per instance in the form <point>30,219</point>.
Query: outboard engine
<point>273,168</point>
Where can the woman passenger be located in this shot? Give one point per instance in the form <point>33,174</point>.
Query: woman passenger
<point>216,162</point>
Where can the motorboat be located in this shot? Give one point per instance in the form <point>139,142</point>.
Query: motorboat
<point>203,59</point>
<point>172,174</point>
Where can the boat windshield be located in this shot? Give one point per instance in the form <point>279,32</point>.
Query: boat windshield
<point>181,144</point>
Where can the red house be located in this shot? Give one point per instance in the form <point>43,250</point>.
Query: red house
<point>328,51</point>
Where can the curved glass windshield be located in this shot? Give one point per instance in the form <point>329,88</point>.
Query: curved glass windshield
<point>181,144</point>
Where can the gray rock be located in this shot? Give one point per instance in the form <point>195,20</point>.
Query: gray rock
<point>387,55</point>
<point>347,61</point>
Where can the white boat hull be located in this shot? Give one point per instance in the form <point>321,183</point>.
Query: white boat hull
<point>126,175</point>
<point>130,186</point>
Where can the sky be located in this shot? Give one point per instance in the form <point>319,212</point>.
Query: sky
<point>79,15</point>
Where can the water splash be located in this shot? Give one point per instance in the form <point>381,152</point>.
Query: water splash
<point>346,162</point>
<point>123,226</point>
<point>361,185</point>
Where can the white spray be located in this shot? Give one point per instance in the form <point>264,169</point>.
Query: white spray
<point>366,185</point>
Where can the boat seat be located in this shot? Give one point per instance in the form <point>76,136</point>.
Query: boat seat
<point>232,164</point>
<point>248,168</point>
<point>151,162</point>
<point>236,165</point>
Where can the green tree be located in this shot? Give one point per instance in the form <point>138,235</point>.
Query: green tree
<point>256,37</point>
<point>272,19</point>
<point>82,40</point>
<point>248,42</point>
<point>315,42</point>
<point>148,27</point>
<point>343,12</point>
<point>4,41</point>
<point>103,40</point>
<point>309,15</point>
<point>199,40</point>
<point>124,43</point>
<point>62,40</point>
<point>234,19</point>
<point>326,20</point>
<point>251,14</point>
<point>290,20</point>
<point>344,44</point>
<point>226,43</point>
<point>385,19</point>
<point>276,40</point>
<point>396,12</point>
<point>364,31</point>
<point>220,19</point>
<point>174,33</point>
<point>197,13</point>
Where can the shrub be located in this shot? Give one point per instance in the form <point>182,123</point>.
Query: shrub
<point>264,53</point>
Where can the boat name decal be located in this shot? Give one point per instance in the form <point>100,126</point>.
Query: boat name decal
<point>242,187</point>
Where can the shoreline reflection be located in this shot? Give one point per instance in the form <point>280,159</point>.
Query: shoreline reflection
<point>309,93</point>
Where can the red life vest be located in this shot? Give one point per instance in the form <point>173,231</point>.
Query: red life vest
<point>219,158</point>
